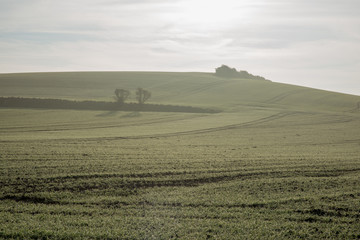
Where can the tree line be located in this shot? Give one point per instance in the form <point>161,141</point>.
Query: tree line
<point>142,95</point>
<point>45,103</point>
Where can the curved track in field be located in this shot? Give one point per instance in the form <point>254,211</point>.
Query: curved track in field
<point>205,130</point>
<point>157,135</point>
<point>284,95</point>
<point>82,126</point>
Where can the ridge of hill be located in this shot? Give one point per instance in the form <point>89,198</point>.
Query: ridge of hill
<point>192,88</point>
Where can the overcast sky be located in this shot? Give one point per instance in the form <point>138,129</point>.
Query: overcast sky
<point>313,43</point>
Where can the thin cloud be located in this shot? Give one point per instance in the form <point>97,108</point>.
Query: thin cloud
<point>281,40</point>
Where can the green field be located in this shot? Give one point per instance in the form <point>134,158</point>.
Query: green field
<point>278,162</point>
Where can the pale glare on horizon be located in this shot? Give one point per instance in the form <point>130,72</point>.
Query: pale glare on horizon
<point>301,42</point>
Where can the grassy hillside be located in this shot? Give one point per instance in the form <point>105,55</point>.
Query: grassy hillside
<point>279,162</point>
<point>202,89</point>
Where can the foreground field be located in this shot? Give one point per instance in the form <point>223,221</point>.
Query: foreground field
<point>289,175</point>
<point>270,167</point>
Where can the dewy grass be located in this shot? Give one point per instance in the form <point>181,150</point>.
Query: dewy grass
<point>276,169</point>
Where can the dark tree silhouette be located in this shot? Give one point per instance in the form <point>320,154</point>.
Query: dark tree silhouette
<point>225,71</point>
<point>121,95</point>
<point>142,95</point>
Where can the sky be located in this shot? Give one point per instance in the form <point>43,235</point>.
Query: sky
<point>301,42</point>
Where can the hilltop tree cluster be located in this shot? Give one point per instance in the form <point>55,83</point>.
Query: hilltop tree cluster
<point>142,95</point>
<point>227,72</point>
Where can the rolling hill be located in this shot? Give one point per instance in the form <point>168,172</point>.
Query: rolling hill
<point>198,89</point>
<point>277,162</point>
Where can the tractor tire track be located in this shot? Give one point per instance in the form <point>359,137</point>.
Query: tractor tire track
<point>129,186</point>
<point>206,130</point>
<point>71,127</point>
<point>182,133</point>
<point>282,96</point>
<point>195,132</point>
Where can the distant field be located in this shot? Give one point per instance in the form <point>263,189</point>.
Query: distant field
<point>279,161</point>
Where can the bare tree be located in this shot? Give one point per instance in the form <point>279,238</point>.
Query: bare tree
<point>121,95</point>
<point>142,95</point>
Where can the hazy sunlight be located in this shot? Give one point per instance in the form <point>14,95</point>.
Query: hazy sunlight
<point>211,14</point>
